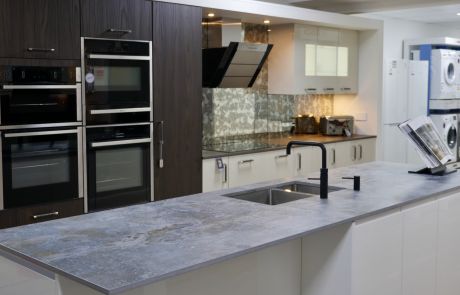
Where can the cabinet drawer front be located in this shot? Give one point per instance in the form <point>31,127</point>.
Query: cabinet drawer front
<point>49,211</point>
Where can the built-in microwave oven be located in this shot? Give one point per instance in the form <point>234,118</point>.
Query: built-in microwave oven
<point>32,97</point>
<point>117,81</point>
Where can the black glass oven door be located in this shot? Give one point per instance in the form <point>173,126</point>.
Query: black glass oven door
<point>40,104</point>
<point>119,173</point>
<point>116,84</point>
<point>41,166</point>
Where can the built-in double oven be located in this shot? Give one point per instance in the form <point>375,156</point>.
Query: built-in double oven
<point>118,132</point>
<point>41,135</point>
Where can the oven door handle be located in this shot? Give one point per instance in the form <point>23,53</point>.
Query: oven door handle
<point>40,133</point>
<point>119,111</point>
<point>120,142</point>
<point>119,57</point>
<point>29,87</point>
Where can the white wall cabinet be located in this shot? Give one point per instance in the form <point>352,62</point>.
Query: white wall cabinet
<point>377,255</point>
<point>313,60</point>
<point>448,255</point>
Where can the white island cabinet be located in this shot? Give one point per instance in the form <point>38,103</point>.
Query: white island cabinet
<point>377,255</point>
<point>448,256</point>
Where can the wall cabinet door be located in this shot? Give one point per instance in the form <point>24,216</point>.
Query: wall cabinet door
<point>125,19</point>
<point>377,255</point>
<point>347,62</point>
<point>40,29</point>
<point>177,98</point>
<point>419,248</point>
<point>448,256</point>
<point>215,178</point>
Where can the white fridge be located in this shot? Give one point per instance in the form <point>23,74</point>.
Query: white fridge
<point>405,97</point>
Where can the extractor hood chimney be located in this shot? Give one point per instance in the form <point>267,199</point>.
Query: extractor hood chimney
<point>236,64</point>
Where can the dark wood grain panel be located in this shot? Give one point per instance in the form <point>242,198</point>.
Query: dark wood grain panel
<point>52,24</point>
<point>65,209</point>
<point>41,24</point>
<point>100,15</point>
<point>177,98</point>
<point>8,218</point>
<point>12,27</point>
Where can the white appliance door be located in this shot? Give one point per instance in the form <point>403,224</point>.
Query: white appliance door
<point>395,92</point>
<point>417,89</point>
<point>395,145</point>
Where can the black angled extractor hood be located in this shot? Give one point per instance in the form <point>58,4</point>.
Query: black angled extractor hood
<point>235,66</point>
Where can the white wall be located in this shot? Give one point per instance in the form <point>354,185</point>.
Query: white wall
<point>398,30</point>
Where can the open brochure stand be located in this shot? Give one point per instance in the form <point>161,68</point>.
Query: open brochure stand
<point>438,171</point>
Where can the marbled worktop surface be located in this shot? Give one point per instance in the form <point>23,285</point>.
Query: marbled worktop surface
<point>117,250</point>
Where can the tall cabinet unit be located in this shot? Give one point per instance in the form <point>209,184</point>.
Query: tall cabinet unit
<point>177,100</point>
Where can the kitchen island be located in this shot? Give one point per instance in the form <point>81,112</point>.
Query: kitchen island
<point>353,243</point>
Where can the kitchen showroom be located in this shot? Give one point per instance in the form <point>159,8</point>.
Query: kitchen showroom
<point>229,147</point>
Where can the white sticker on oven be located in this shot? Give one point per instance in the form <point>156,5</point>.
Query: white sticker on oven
<point>89,78</point>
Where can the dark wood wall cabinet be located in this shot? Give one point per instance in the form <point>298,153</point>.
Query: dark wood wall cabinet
<point>40,29</point>
<point>120,19</point>
<point>177,99</point>
<point>39,213</point>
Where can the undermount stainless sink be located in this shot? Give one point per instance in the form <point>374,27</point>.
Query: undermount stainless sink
<point>307,188</point>
<point>280,194</point>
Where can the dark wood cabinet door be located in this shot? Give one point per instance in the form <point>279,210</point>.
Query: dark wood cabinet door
<point>49,211</point>
<point>40,29</point>
<point>177,99</point>
<point>128,19</point>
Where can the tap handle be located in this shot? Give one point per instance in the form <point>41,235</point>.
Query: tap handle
<point>356,182</point>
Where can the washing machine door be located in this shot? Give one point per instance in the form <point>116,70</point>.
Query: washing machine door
<point>450,73</point>
<point>451,136</point>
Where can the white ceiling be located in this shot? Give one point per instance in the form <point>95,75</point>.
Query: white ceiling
<point>428,11</point>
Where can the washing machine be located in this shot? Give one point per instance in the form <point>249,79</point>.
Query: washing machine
<point>447,125</point>
<point>445,74</point>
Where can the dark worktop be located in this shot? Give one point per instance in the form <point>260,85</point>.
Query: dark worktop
<point>268,142</point>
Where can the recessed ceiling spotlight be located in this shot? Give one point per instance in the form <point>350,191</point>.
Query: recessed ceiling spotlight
<point>211,14</point>
<point>269,30</point>
<point>458,13</point>
<point>266,21</point>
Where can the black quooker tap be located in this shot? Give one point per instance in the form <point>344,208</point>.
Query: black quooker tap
<point>323,185</point>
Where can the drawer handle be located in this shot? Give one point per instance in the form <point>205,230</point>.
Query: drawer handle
<point>39,216</point>
<point>328,89</point>
<point>225,174</point>
<point>346,89</point>
<point>246,161</point>
<point>281,157</point>
<point>119,31</point>
<point>32,49</point>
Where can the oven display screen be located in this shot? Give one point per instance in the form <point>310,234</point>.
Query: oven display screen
<point>111,78</point>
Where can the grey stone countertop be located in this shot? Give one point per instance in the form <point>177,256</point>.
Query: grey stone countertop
<point>118,250</point>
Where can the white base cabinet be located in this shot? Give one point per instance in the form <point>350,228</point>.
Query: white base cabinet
<point>215,178</point>
<point>448,252</point>
<point>377,255</point>
<point>419,248</point>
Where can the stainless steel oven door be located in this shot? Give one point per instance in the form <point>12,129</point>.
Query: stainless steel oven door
<point>118,89</point>
<point>32,106</point>
<point>41,166</point>
<point>119,172</point>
